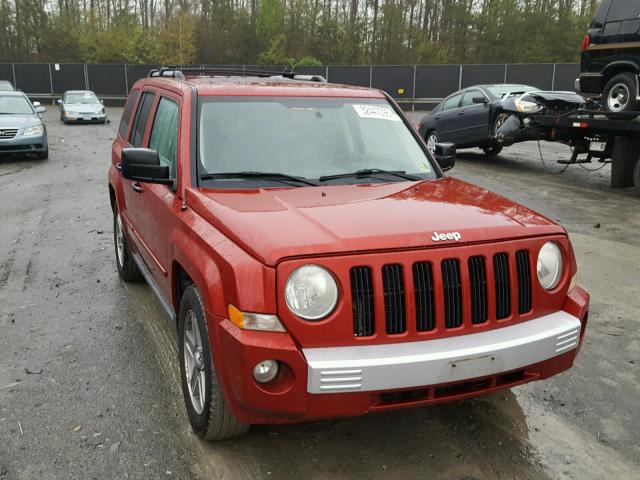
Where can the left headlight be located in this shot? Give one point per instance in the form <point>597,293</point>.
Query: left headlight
<point>311,292</point>
<point>550,265</point>
<point>525,106</point>
<point>30,131</point>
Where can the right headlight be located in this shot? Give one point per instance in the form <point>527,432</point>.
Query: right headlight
<point>311,292</point>
<point>550,265</point>
<point>525,106</point>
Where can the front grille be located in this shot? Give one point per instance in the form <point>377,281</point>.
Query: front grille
<point>524,281</point>
<point>452,293</point>
<point>423,290</point>
<point>6,133</point>
<point>394,308</point>
<point>449,293</point>
<point>501,278</point>
<point>362,300</point>
<point>478,284</point>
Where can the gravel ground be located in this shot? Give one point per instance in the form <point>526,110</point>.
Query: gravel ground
<point>88,365</point>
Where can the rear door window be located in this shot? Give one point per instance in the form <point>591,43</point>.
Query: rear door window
<point>623,10</point>
<point>451,102</point>
<point>164,134</point>
<point>126,115</point>
<point>141,118</point>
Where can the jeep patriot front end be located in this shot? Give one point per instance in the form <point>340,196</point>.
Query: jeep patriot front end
<point>318,263</point>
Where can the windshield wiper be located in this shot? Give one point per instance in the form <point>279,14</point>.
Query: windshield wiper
<point>369,172</point>
<point>278,177</point>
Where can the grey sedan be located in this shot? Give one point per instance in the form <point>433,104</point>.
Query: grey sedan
<point>21,128</point>
<point>81,106</point>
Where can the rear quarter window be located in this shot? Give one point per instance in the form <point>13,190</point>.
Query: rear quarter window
<point>141,118</point>
<point>126,114</point>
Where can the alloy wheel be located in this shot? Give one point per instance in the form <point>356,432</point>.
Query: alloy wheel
<point>194,362</point>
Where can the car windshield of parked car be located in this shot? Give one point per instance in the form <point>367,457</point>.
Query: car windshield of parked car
<point>307,138</point>
<point>502,90</point>
<point>81,98</point>
<point>15,105</point>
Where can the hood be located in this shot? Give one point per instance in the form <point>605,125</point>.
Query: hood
<point>570,97</point>
<point>19,121</point>
<point>273,224</point>
<point>83,107</point>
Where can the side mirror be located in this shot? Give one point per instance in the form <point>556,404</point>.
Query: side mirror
<point>59,101</point>
<point>40,108</point>
<point>36,104</point>
<point>445,155</point>
<point>102,101</point>
<point>480,100</point>
<point>143,165</point>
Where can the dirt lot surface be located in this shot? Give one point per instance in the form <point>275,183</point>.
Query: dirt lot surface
<point>89,374</point>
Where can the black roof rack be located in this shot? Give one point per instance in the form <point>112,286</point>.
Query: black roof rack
<point>179,73</point>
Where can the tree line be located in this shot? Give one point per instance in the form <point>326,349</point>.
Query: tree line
<point>293,31</point>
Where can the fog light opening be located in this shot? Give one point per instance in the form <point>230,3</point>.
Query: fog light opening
<point>266,371</point>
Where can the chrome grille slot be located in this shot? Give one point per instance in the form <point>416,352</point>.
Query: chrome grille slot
<point>478,286</point>
<point>394,307</point>
<point>362,301</point>
<point>425,303</point>
<point>452,293</point>
<point>501,277</point>
<point>524,281</point>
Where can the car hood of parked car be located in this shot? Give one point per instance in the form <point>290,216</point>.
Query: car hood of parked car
<point>83,107</point>
<point>273,224</point>
<point>19,121</point>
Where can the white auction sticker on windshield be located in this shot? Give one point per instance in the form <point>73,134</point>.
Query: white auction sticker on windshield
<point>377,112</point>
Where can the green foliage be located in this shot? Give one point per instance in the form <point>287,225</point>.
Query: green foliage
<point>293,32</point>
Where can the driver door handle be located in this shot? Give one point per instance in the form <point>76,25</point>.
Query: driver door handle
<point>136,187</point>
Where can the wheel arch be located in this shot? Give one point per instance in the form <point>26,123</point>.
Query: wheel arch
<point>615,68</point>
<point>112,198</point>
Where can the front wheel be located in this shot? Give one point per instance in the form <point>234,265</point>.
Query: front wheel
<point>207,409</point>
<point>127,268</point>
<point>636,178</point>
<point>492,150</point>
<point>620,94</point>
<point>432,141</point>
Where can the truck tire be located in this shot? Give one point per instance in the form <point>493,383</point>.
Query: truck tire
<point>127,268</point>
<point>620,95</point>
<point>207,409</point>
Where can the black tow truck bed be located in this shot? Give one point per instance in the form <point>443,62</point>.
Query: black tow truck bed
<point>607,138</point>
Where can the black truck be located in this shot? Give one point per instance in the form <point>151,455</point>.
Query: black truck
<point>610,61</point>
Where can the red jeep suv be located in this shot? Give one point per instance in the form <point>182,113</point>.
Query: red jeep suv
<point>315,260</point>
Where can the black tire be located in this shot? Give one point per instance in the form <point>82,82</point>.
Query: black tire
<point>431,138</point>
<point>492,150</point>
<point>43,155</point>
<point>620,95</point>
<point>127,268</point>
<point>215,421</point>
<point>636,178</point>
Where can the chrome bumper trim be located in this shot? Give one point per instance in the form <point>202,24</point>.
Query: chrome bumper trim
<point>431,362</point>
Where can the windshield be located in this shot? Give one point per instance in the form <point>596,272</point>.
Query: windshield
<point>308,138</point>
<point>15,105</point>
<point>502,90</point>
<point>88,98</point>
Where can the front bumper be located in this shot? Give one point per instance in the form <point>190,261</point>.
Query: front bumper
<point>24,144</point>
<point>85,117</point>
<point>431,362</point>
<point>364,379</point>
